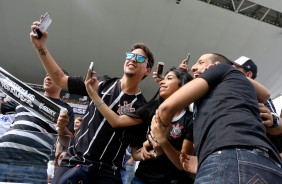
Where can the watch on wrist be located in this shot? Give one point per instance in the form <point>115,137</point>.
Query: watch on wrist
<point>275,120</point>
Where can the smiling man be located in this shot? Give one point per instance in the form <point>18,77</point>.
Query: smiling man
<point>26,147</point>
<point>98,148</point>
<point>229,138</point>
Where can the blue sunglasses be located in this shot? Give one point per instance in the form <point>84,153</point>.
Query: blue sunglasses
<point>139,58</point>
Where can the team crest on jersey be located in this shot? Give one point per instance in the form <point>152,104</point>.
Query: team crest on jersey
<point>176,130</point>
<point>125,108</point>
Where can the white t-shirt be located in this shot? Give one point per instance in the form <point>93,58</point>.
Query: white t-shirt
<point>5,122</point>
<point>51,168</point>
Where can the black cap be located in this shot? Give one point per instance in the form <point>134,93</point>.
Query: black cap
<point>247,64</point>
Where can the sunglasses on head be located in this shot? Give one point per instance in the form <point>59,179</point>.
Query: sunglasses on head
<point>138,58</point>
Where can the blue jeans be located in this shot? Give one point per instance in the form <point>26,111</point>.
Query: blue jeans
<point>127,173</point>
<point>136,180</point>
<point>87,174</point>
<point>27,173</point>
<point>239,166</point>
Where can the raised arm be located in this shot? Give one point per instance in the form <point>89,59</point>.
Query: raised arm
<point>183,65</point>
<point>114,119</point>
<point>50,65</point>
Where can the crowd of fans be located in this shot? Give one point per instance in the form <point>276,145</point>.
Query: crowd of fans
<point>219,126</point>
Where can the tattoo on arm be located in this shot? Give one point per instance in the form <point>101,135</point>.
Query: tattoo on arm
<point>56,73</point>
<point>42,52</point>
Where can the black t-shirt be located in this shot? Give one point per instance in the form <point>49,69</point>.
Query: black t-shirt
<point>228,115</point>
<point>162,170</point>
<point>96,140</point>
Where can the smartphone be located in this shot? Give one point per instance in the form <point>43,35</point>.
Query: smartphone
<point>160,68</point>
<point>44,24</point>
<point>187,58</point>
<point>91,69</point>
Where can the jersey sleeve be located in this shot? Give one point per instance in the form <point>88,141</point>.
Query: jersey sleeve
<point>76,86</point>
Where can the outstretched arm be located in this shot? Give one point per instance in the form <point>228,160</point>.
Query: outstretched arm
<point>183,65</point>
<point>50,65</point>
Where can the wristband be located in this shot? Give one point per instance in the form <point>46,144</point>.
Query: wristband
<point>98,104</point>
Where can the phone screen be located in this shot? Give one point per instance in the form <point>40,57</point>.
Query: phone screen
<point>187,58</point>
<point>160,68</point>
<point>91,68</point>
<point>45,22</point>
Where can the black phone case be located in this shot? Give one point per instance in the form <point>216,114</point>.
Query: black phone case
<point>39,33</point>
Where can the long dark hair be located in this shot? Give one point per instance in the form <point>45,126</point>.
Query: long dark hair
<point>150,108</point>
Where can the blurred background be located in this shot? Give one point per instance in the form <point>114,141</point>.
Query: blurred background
<point>103,30</point>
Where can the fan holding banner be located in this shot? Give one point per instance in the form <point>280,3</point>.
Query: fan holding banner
<point>26,147</point>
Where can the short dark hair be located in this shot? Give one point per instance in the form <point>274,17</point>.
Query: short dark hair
<point>147,51</point>
<point>220,58</point>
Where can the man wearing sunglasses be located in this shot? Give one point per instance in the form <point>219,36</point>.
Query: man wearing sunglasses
<point>97,151</point>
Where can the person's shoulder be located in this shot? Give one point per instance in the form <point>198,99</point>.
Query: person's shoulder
<point>60,102</point>
<point>65,104</point>
<point>219,70</point>
<point>107,78</point>
<point>223,67</point>
<point>218,73</point>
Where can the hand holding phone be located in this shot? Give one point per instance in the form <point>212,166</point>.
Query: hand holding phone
<point>184,64</point>
<point>91,69</point>
<point>160,68</point>
<point>187,58</point>
<point>44,24</point>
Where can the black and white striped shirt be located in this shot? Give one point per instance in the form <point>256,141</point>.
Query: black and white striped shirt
<point>30,139</point>
<point>96,141</point>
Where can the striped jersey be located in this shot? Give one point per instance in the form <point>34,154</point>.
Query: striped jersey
<point>30,138</point>
<point>96,141</point>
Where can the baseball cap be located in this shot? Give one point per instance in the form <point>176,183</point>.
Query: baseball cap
<point>247,64</point>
